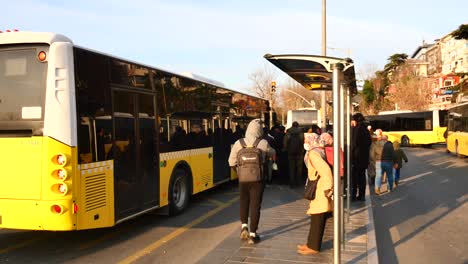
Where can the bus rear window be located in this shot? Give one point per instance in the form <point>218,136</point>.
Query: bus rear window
<point>22,83</point>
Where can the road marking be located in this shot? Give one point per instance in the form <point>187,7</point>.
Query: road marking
<point>101,239</point>
<point>147,250</point>
<point>213,201</point>
<point>20,245</point>
<point>416,176</point>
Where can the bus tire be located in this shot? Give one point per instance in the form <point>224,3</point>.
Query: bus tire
<point>405,142</point>
<point>179,191</point>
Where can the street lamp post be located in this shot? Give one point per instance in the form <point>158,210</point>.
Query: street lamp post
<point>324,53</point>
<point>272,91</point>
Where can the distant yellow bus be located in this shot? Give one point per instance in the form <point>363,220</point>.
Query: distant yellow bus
<point>457,131</point>
<point>412,128</point>
<point>89,140</point>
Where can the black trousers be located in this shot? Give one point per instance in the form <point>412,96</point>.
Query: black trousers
<point>358,182</point>
<point>295,170</point>
<point>251,194</point>
<point>317,227</point>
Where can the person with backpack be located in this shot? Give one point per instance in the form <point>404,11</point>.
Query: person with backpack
<point>293,144</point>
<point>248,155</point>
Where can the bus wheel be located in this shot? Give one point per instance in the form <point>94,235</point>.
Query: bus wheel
<point>178,192</point>
<point>405,141</point>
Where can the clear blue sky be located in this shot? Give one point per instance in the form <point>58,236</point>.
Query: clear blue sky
<point>226,40</point>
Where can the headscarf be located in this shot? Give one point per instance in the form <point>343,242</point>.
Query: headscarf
<point>312,143</point>
<point>325,140</point>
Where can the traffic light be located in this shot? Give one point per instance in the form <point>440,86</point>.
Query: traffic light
<point>273,87</point>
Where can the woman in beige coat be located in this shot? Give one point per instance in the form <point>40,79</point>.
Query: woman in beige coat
<point>322,203</point>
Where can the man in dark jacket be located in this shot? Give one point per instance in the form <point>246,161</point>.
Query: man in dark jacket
<point>360,145</point>
<point>251,193</point>
<point>294,145</point>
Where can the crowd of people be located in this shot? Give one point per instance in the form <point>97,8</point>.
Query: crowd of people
<point>291,149</point>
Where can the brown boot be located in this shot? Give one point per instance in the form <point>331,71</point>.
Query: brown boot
<point>307,251</point>
<point>377,191</point>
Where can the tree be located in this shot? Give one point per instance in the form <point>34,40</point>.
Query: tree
<point>411,91</point>
<point>368,91</point>
<point>261,81</point>
<point>461,32</point>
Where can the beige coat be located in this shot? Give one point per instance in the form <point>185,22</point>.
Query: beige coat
<point>321,203</point>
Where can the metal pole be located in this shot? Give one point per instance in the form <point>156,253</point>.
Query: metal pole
<point>348,154</point>
<point>324,53</point>
<point>337,69</point>
<point>341,140</point>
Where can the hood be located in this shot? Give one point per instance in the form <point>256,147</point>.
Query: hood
<point>294,130</point>
<point>254,131</point>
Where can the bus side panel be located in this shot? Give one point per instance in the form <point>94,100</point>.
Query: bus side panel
<point>201,163</point>
<point>95,199</point>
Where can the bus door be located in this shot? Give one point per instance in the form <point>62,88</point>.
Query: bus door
<point>136,178</point>
<point>148,160</point>
<point>124,153</point>
<point>221,148</point>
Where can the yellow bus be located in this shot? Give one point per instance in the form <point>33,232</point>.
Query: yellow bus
<point>457,131</point>
<point>412,128</point>
<point>88,140</point>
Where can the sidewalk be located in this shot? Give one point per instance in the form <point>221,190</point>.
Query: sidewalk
<point>284,224</point>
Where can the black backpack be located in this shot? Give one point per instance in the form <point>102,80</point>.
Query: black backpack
<point>249,162</point>
<point>295,145</point>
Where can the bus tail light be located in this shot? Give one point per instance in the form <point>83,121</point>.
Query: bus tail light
<point>60,188</point>
<point>56,209</point>
<point>60,159</point>
<point>63,188</point>
<point>61,174</point>
<point>75,208</point>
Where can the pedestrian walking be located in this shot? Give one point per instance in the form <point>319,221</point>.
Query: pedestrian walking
<point>360,146</point>
<point>375,157</point>
<point>386,165</point>
<point>248,155</point>
<point>294,145</point>
<point>322,203</point>
<point>399,157</point>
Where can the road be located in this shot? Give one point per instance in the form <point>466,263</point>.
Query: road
<point>186,238</point>
<point>425,219</point>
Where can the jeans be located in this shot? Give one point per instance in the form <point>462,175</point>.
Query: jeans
<point>396,174</point>
<point>387,168</point>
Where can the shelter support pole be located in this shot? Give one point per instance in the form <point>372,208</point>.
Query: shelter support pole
<point>341,140</point>
<point>337,72</point>
<point>348,154</point>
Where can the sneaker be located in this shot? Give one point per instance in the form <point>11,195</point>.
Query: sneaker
<point>253,239</point>
<point>244,233</point>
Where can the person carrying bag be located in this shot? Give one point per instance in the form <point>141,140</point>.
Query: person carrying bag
<point>318,171</point>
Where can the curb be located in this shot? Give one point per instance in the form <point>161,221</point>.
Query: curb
<point>372,251</point>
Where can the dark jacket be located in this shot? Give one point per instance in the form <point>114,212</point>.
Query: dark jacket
<point>293,131</point>
<point>388,153</point>
<point>360,146</point>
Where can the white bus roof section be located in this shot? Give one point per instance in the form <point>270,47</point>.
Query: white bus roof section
<point>32,37</point>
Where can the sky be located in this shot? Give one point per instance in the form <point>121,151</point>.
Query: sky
<point>226,40</point>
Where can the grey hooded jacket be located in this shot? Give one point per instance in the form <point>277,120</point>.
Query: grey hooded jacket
<point>254,131</point>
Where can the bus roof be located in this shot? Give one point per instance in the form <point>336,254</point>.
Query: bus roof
<point>32,37</point>
<point>18,37</point>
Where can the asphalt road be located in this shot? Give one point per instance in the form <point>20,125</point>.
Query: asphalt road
<point>150,238</point>
<point>425,220</point>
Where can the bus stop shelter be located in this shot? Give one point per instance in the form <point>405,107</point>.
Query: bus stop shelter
<point>336,75</point>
